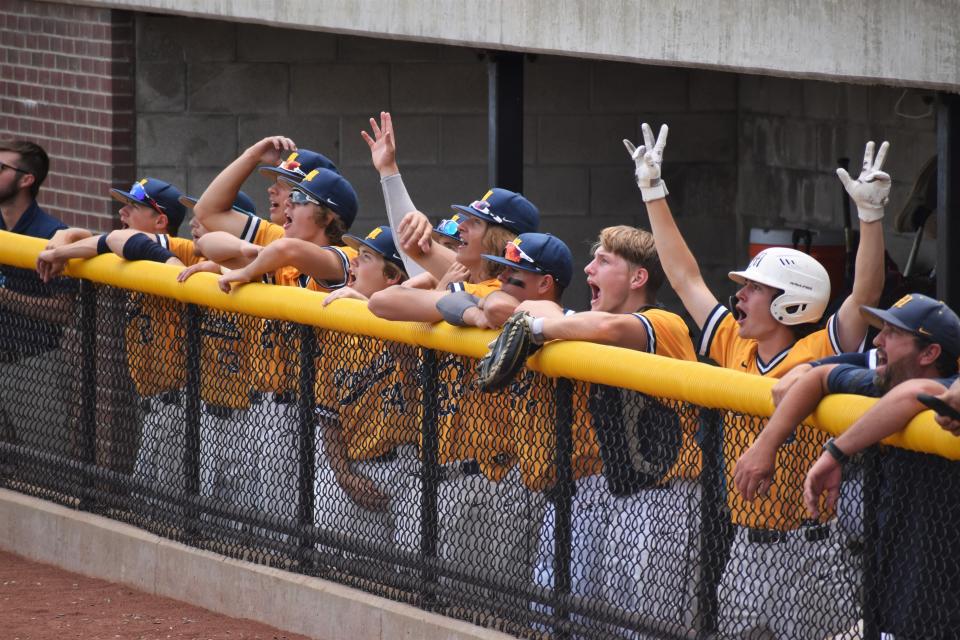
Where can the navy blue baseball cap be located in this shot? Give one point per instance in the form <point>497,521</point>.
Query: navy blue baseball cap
<point>449,227</point>
<point>539,253</point>
<point>160,196</point>
<point>331,190</point>
<point>508,209</point>
<point>298,164</point>
<point>241,203</point>
<point>379,240</point>
<point>930,319</point>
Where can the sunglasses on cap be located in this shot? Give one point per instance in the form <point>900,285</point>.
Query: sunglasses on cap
<point>484,207</point>
<point>299,197</point>
<point>291,165</point>
<point>515,254</point>
<point>140,194</point>
<point>448,226</point>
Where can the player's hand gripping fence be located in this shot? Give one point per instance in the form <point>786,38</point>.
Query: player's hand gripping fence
<point>590,497</point>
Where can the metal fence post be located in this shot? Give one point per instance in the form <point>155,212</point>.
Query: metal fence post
<point>430,473</point>
<point>88,388</point>
<point>563,498</point>
<point>306,412</point>
<point>871,547</point>
<point>716,530</point>
<point>191,449</point>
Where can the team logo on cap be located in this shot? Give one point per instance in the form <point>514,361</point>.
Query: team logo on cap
<point>373,234</point>
<point>902,301</point>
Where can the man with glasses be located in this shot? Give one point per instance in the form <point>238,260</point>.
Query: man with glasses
<point>30,368</point>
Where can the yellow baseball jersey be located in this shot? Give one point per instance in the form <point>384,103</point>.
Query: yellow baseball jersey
<point>155,343</point>
<point>783,507</point>
<point>479,289</point>
<point>261,232</point>
<point>277,367</point>
<point>667,336</point>
<point>182,248</point>
<point>227,342</point>
<point>367,385</point>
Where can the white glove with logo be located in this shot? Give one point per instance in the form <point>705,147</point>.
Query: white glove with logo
<point>648,158</point>
<point>871,190</point>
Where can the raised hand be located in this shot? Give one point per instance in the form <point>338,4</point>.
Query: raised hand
<point>871,190</point>
<point>648,158</point>
<point>415,231</point>
<point>383,145</point>
<point>272,149</point>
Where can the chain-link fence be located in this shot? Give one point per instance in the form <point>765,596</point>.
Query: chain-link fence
<point>556,508</point>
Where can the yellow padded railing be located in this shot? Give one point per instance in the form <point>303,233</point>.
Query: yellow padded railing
<point>697,383</point>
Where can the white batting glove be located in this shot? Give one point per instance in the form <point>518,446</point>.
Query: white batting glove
<point>648,158</point>
<point>871,190</point>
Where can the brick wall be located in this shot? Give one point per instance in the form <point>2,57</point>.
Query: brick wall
<point>66,82</point>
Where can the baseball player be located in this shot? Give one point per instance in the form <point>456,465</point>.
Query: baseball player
<point>771,328</point>
<point>368,409</point>
<point>637,551</point>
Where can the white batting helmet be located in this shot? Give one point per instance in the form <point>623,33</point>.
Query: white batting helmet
<point>803,280</point>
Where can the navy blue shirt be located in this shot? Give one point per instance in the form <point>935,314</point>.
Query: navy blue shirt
<point>21,335</point>
<point>35,222</point>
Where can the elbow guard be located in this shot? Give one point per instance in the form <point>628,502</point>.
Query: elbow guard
<point>453,305</point>
<point>142,247</point>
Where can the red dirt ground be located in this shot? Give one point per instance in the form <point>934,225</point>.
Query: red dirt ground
<point>43,602</point>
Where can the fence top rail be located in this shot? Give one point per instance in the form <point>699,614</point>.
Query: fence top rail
<point>693,382</point>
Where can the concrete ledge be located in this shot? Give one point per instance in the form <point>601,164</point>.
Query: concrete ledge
<point>102,548</point>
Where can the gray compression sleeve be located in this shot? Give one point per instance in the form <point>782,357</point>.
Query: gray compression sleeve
<point>398,203</point>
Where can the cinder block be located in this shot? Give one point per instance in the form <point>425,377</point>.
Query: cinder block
<point>317,133</point>
<point>339,88</point>
<point>370,196</point>
<point>434,189</point>
<point>417,140</point>
<point>583,140</point>
<point>557,191</point>
<point>238,87</point>
<point>884,109</point>
<point>359,49</point>
<point>614,192</point>
<point>709,237</point>
<point>778,96</point>
<point>438,87</point>
<point>620,87</point>
<point>175,38</point>
<point>177,176</point>
<point>712,90</point>
<point>556,85</point>
<point>260,43</point>
<point>705,138</point>
<point>464,140</point>
<point>834,101</point>
<point>180,141</point>
<point>161,86</point>
<point>783,142</point>
<point>198,178</point>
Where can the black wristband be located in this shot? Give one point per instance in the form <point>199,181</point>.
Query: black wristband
<point>102,247</point>
<point>830,446</point>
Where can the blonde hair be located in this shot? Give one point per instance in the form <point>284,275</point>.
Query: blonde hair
<point>495,238</point>
<point>391,271</point>
<point>636,246</point>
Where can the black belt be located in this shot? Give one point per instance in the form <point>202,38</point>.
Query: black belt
<point>459,468</point>
<point>285,397</point>
<point>218,411</point>
<point>814,533</point>
<point>389,456</point>
<point>152,403</point>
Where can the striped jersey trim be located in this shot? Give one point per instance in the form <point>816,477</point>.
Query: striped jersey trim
<point>250,228</point>
<point>651,334</point>
<point>709,329</point>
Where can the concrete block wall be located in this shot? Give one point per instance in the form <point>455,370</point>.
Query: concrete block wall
<point>66,83</point>
<point>792,133</point>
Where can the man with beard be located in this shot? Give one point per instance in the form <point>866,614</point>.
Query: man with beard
<point>30,368</point>
<point>917,351</point>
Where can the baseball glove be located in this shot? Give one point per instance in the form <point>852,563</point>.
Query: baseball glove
<point>507,354</point>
